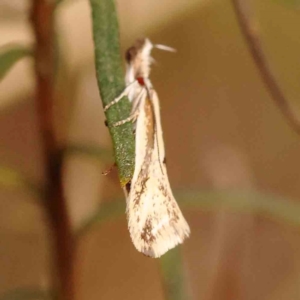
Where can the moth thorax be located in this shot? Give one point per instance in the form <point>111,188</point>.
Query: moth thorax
<point>141,81</point>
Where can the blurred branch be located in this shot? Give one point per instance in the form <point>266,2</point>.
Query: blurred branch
<point>11,54</point>
<point>111,83</point>
<point>250,31</point>
<point>42,17</point>
<point>172,273</point>
<point>271,206</point>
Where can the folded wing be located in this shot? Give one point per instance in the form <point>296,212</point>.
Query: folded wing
<point>155,221</point>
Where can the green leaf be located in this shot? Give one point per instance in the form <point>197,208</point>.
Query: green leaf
<point>9,55</point>
<point>27,294</point>
<point>172,273</point>
<point>111,83</point>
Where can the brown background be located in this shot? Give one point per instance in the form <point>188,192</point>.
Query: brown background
<point>222,132</point>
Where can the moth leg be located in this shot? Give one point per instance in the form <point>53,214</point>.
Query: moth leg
<point>116,100</point>
<point>134,111</point>
<point>131,118</point>
<point>124,93</point>
<point>106,172</point>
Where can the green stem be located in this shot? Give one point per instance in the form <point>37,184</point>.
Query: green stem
<point>110,79</point>
<point>172,275</point>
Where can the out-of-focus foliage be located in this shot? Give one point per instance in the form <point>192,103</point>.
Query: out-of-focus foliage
<point>9,55</point>
<point>290,3</point>
<point>93,151</point>
<point>11,178</point>
<point>250,202</point>
<point>27,294</point>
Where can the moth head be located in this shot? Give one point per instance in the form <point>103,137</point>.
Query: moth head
<point>139,60</point>
<point>140,50</point>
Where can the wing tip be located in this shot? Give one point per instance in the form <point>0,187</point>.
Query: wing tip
<point>164,241</point>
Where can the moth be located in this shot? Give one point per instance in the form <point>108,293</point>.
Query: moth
<point>155,221</point>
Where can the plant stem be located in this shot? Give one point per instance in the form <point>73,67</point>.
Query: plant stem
<point>250,31</point>
<point>42,17</point>
<point>110,79</point>
<point>172,275</point>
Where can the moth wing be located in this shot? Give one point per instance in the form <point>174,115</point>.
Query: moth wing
<point>156,223</point>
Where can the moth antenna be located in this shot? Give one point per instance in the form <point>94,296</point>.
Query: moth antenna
<point>165,48</point>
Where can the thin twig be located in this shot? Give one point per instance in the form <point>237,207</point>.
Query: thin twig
<point>249,28</point>
<point>42,15</point>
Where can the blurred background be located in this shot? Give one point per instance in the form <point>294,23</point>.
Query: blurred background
<point>228,146</point>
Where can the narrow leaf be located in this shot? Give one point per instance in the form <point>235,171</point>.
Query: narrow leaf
<point>271,206</point>
<point>9,55</point>
<point>111,83</point>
